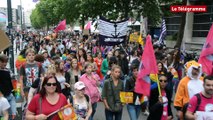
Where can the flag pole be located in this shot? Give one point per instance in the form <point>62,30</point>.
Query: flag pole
<point>159,90</point>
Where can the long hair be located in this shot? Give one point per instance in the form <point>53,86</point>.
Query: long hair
<point>74,60</point>
<point>57,66</point>
<point>84,54</point>
<point>46,79</point>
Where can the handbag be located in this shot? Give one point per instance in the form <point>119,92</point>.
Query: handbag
<point>117,107</point>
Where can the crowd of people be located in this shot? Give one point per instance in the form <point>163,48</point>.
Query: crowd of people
<point>66,68</point>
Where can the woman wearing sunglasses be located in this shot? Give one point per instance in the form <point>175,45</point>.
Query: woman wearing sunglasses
<point>47,101</point>
<point>160,106</point>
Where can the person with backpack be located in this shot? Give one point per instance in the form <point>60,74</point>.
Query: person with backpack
<point>29,72</point>
<point>81,102</point>
<point>202,101</point>
<point>190,85</point>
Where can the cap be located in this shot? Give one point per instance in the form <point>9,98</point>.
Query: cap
<point>79,85</point>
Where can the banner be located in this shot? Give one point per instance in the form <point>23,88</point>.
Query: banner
<point>112,33</point>
<point>126,97</point>
<point>204,115</point>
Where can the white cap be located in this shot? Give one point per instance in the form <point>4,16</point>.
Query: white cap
<point>79,85</point>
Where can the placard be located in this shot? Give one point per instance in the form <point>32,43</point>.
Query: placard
<point>4,41</point>
<point>126,97</point>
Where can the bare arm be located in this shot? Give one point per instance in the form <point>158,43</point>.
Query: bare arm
<point>32,116</point>
<point>30,94</point>
<point>89,113</point>
<point>190,115</point>
<point>22,84</point>
<point>6,115</point>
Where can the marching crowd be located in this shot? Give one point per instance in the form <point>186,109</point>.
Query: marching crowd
<point>59,69</point>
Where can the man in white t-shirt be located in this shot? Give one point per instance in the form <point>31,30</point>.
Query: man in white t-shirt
<point>4,106</point>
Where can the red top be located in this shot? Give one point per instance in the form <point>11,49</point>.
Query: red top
<point>99,63</point>
<point>47,108</point>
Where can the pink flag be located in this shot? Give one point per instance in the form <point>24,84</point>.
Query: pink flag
<point>61,26</point>
<point>88,25</point>
<point>148,66</point>
<point>206,56</point>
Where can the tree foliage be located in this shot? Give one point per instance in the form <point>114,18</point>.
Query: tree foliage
<point>53,11</point>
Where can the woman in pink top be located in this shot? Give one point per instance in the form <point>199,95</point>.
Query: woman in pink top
<point>91,81</point>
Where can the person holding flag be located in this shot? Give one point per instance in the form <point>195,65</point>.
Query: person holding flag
<point>160,105</point>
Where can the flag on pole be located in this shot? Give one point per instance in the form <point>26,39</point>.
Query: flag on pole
<point>162,34</point>
<point>148,66</point>
<point>206,56</point>
<point>61,26</point>
<point>88,25</point>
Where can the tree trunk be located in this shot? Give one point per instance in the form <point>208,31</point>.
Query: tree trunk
<point>181,28</point>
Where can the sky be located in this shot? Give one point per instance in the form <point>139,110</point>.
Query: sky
<point>26,4</point>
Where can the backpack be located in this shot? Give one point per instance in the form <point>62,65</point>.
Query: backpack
<point>187,104</point>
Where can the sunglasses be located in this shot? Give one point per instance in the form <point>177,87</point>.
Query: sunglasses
<point>49,84</point>
<point>165,81</point>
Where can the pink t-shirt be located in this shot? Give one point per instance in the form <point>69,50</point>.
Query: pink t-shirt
<point>91,88</point>
<point>205,105</point>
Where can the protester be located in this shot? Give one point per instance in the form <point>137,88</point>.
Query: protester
<point>206,100</point>
<point>190,85</point>
<point>47,101</point>
<point>134,108</point>
<point>29,72</point>
<point>104,66</point>
<point>110,94</point>
<point>98,60</point>
<point>92,82</point>
<point>6,86</point>
<point>73,74</point>
<point>60,75</point>
<point>81,102</point>
<point>160,105</point>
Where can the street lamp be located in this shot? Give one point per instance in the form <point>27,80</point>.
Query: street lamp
<point>10,26</point>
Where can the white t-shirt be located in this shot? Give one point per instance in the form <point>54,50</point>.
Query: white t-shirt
<point>4,105</point>
<point>61,80</point>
